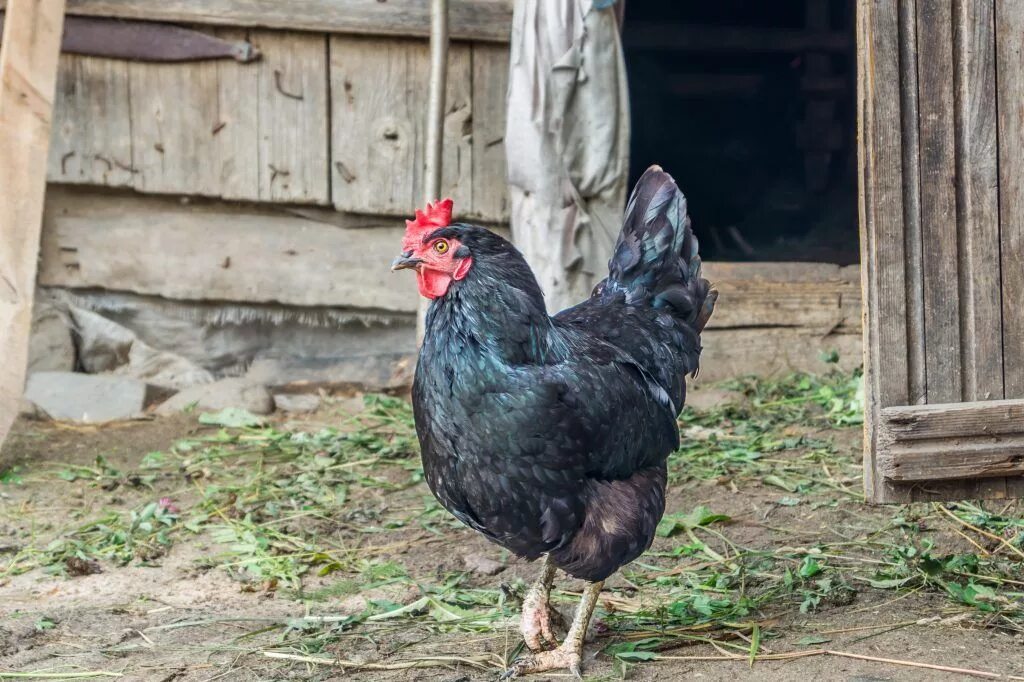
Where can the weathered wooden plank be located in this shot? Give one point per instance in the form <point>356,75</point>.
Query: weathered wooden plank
<point>91,141</point>
<point>293,117</point>
<point>173,115</point>
<point>490,172</point>
<point>28,76</point>
<point>978,200</point>
<point>952,420</point>
<point>815,297</point>
<point>1010,77</point>
<point>378,114</point>
<point>917,385</point>
<point>977,197</point>
<point>214,251</point>
<point>234,136</point>
<point>882,236</point>
<point>488,20</point>
<point>938,200</point>
<point>956,441</point>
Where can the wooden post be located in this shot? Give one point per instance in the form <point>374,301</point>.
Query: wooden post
<point>435,118</point>
<point>28,77</point>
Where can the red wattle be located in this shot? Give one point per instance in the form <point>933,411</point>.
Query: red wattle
<point>433,283</point>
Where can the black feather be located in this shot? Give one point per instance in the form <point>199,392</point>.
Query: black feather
<point>550,435</point>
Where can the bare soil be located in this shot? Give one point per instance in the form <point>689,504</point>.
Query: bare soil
<point>176,617</point>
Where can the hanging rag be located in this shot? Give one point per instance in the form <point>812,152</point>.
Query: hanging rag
<point>567,141</point>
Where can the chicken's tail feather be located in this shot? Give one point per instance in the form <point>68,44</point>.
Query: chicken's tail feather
<point>656,260</point>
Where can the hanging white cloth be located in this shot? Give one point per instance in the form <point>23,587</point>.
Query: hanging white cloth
<point>567,141</point>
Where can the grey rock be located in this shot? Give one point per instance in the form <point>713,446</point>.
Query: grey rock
<point>482,565</point>
<point>218,395</point>
<point>50,348</point>
<point>90,398</point>
<point>297,402</point>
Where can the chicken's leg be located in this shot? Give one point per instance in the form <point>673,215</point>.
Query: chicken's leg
<point>570,653</point>
<point>537,611</point>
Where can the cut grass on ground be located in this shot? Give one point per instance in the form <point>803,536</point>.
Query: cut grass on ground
<point>313,515</point>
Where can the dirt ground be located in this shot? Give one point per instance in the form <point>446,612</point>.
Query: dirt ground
<point>258,562</point>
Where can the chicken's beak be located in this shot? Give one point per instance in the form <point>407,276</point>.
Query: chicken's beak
<point>405,262</point>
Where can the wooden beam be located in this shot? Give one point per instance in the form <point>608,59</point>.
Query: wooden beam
<point>486,20</point>
<point>28,78</point>
<point>951,441</point>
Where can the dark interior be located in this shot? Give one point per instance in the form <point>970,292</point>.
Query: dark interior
<point>750,105</point>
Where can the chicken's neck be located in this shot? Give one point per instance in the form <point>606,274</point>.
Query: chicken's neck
<point>495,316</point>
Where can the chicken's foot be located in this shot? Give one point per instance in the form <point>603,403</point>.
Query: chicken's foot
<point>570,653</point>
<point>538,613</point>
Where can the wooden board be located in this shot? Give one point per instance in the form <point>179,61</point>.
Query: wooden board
<point>964,441</point>
<point>940,239</point>
<point>92,141</point>
<point>28,76</point>
<point>818,298</point>
<point>1010,75</point>
<point>174,110</point>
<point>256,132</point>
<point>490,171</point>
<point>488,20</point>
<point>883,263</point>
<point>938,200</point>
<point>218,252</point>
<point>378,115</point>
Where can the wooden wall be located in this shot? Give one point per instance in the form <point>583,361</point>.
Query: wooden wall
<point>942,206</point>
<point>321,120</point>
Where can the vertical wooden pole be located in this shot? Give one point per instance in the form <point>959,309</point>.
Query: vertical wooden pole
<point>435,118</point>
<point>28,76</point>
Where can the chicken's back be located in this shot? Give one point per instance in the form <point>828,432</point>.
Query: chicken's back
<point>654,303</point>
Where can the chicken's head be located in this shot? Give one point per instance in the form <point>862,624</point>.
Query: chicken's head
<point>437,258</point>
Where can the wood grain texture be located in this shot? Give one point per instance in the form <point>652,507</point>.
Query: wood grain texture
<point>234,136</point>
<point>174,108</point>
<point>1009,24</point>
<point>814,297</point>
<point>488,20</point>
<point>213,251</point>
<point>938,200</point>
<point>378,115</point>
<point>1010,98</point>
<point>882,234</point>
<point>962,442</point>
<point>293,117</point>
<point>977,198</point>
<point>92,137</point>
<point>917,382</point>
<point>29,57</point>
<point>256,132</point>
<point>490,171</point>
<point>977,173</point>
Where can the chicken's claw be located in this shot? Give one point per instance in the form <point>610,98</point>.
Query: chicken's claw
<point>564,657</point>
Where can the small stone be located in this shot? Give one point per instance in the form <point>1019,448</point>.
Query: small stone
<point>297,402</point>
<point>233,392</point>
<point>90,398</point>
<point>482,565</point>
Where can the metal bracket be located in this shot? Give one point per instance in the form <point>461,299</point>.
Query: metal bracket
<point>146,41</point>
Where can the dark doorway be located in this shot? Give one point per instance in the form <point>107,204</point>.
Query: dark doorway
<point>750,105</point>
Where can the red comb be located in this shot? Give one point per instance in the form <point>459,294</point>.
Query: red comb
<point>435,215</point>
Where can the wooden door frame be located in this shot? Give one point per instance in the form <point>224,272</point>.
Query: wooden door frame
<point>948,449</point>
<point>29,57</point>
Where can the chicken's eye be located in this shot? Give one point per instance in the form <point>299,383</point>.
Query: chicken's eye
<point>441,246</point>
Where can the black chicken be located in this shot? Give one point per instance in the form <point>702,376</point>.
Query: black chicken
<point>549,435</point>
